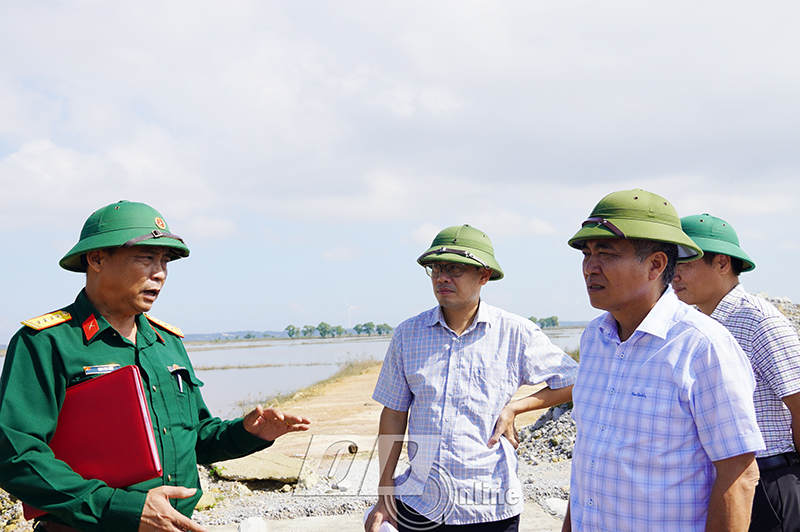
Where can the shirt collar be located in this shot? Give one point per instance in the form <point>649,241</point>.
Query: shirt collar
<point>88,319</point>
<point>728,303</point>
<point>482,316</point>
<point>147,331</point>
<point>94,324</point>
<point>656,322</point>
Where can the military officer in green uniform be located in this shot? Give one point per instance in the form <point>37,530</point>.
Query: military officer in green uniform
<point>124,250</point>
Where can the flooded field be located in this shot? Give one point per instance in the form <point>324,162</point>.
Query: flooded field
<point>272,367</point>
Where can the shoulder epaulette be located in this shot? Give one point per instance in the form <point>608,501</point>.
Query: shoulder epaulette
<point>48,320</point>
<point>166,326</point>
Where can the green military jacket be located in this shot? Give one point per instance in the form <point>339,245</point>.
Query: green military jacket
<point>41,364</point>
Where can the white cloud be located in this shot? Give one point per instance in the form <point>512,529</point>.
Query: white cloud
<point>423,235</point>
<point>513,116</point>
<point>43,183</point>
<point>342,254</point>
<point>297,309</point>
<point>508,223</point>
<point>438,100</point>
<point>208,228</point>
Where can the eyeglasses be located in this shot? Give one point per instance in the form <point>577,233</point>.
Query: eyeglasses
<point>599,220</point>
<point>453,269</point>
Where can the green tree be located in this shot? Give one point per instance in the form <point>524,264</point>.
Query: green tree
<point>339,330</point>
<point>308,330</point>
<point>383,328</point>
<point>358,329</point>
<point>249,336</point>
<point>291,330</point>
<point>324,329</point>
<point>369,328</point>
<point>552,321</point>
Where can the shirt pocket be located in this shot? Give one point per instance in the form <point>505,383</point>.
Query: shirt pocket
<point>487,385</point>
<point>648,417</point>
<point>185,387</point>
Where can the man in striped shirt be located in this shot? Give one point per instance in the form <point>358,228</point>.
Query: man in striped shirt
<point>771,344</point>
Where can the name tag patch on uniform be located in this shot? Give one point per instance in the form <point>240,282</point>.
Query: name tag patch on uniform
<point>99,370</point>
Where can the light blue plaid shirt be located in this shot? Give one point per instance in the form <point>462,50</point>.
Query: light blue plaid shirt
<point>653,413</point>
<point>454,388</point>
<point>772,345</point>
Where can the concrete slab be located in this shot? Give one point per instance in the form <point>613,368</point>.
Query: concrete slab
<point>534,519</point>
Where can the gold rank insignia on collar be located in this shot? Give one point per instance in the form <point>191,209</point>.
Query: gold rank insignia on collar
<point>166,326</point>
<point>50,319</point>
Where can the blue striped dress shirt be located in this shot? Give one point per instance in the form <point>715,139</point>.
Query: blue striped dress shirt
<point>653,413</point>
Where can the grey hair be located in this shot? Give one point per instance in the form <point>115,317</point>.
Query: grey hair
<point>645,248</point>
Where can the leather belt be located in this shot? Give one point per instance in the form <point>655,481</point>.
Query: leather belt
<point>50,526</point>
<point>779,460</point>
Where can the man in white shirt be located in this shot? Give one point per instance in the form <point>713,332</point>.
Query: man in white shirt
<point>667,433</point>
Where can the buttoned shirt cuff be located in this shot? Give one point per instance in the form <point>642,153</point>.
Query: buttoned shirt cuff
<point>125,510</point>
<point>245,441</point>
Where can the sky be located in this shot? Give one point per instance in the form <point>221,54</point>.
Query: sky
<point>309,151</point>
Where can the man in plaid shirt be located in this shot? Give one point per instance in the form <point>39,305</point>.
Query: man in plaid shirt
<point>667,432</point>
<point>448,377</point>
<point>771,344</point>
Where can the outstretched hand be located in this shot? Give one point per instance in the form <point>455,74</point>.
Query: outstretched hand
<point>270,423</point>
<point>158,515</point>
<point>505,427</point>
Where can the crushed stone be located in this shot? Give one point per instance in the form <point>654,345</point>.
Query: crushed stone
<point>785,305</point>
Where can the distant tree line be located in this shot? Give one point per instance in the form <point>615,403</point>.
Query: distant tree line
<point>552,321</point>
<point>326,330</point>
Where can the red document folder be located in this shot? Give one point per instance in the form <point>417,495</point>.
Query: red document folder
<point>104,432</point>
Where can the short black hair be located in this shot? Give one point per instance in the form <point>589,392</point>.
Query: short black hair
<point>645,248</point>
<point>737,265</point>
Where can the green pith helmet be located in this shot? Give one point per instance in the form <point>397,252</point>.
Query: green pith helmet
<point>122,224</point>
<point>637,214</point>
<point>715,235</point>
<point>463,244</point>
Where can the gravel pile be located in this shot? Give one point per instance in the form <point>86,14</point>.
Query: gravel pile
<point>550,439</point>
<point>785,305</point>
<point>11,514</point>
<point>236,501</point>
